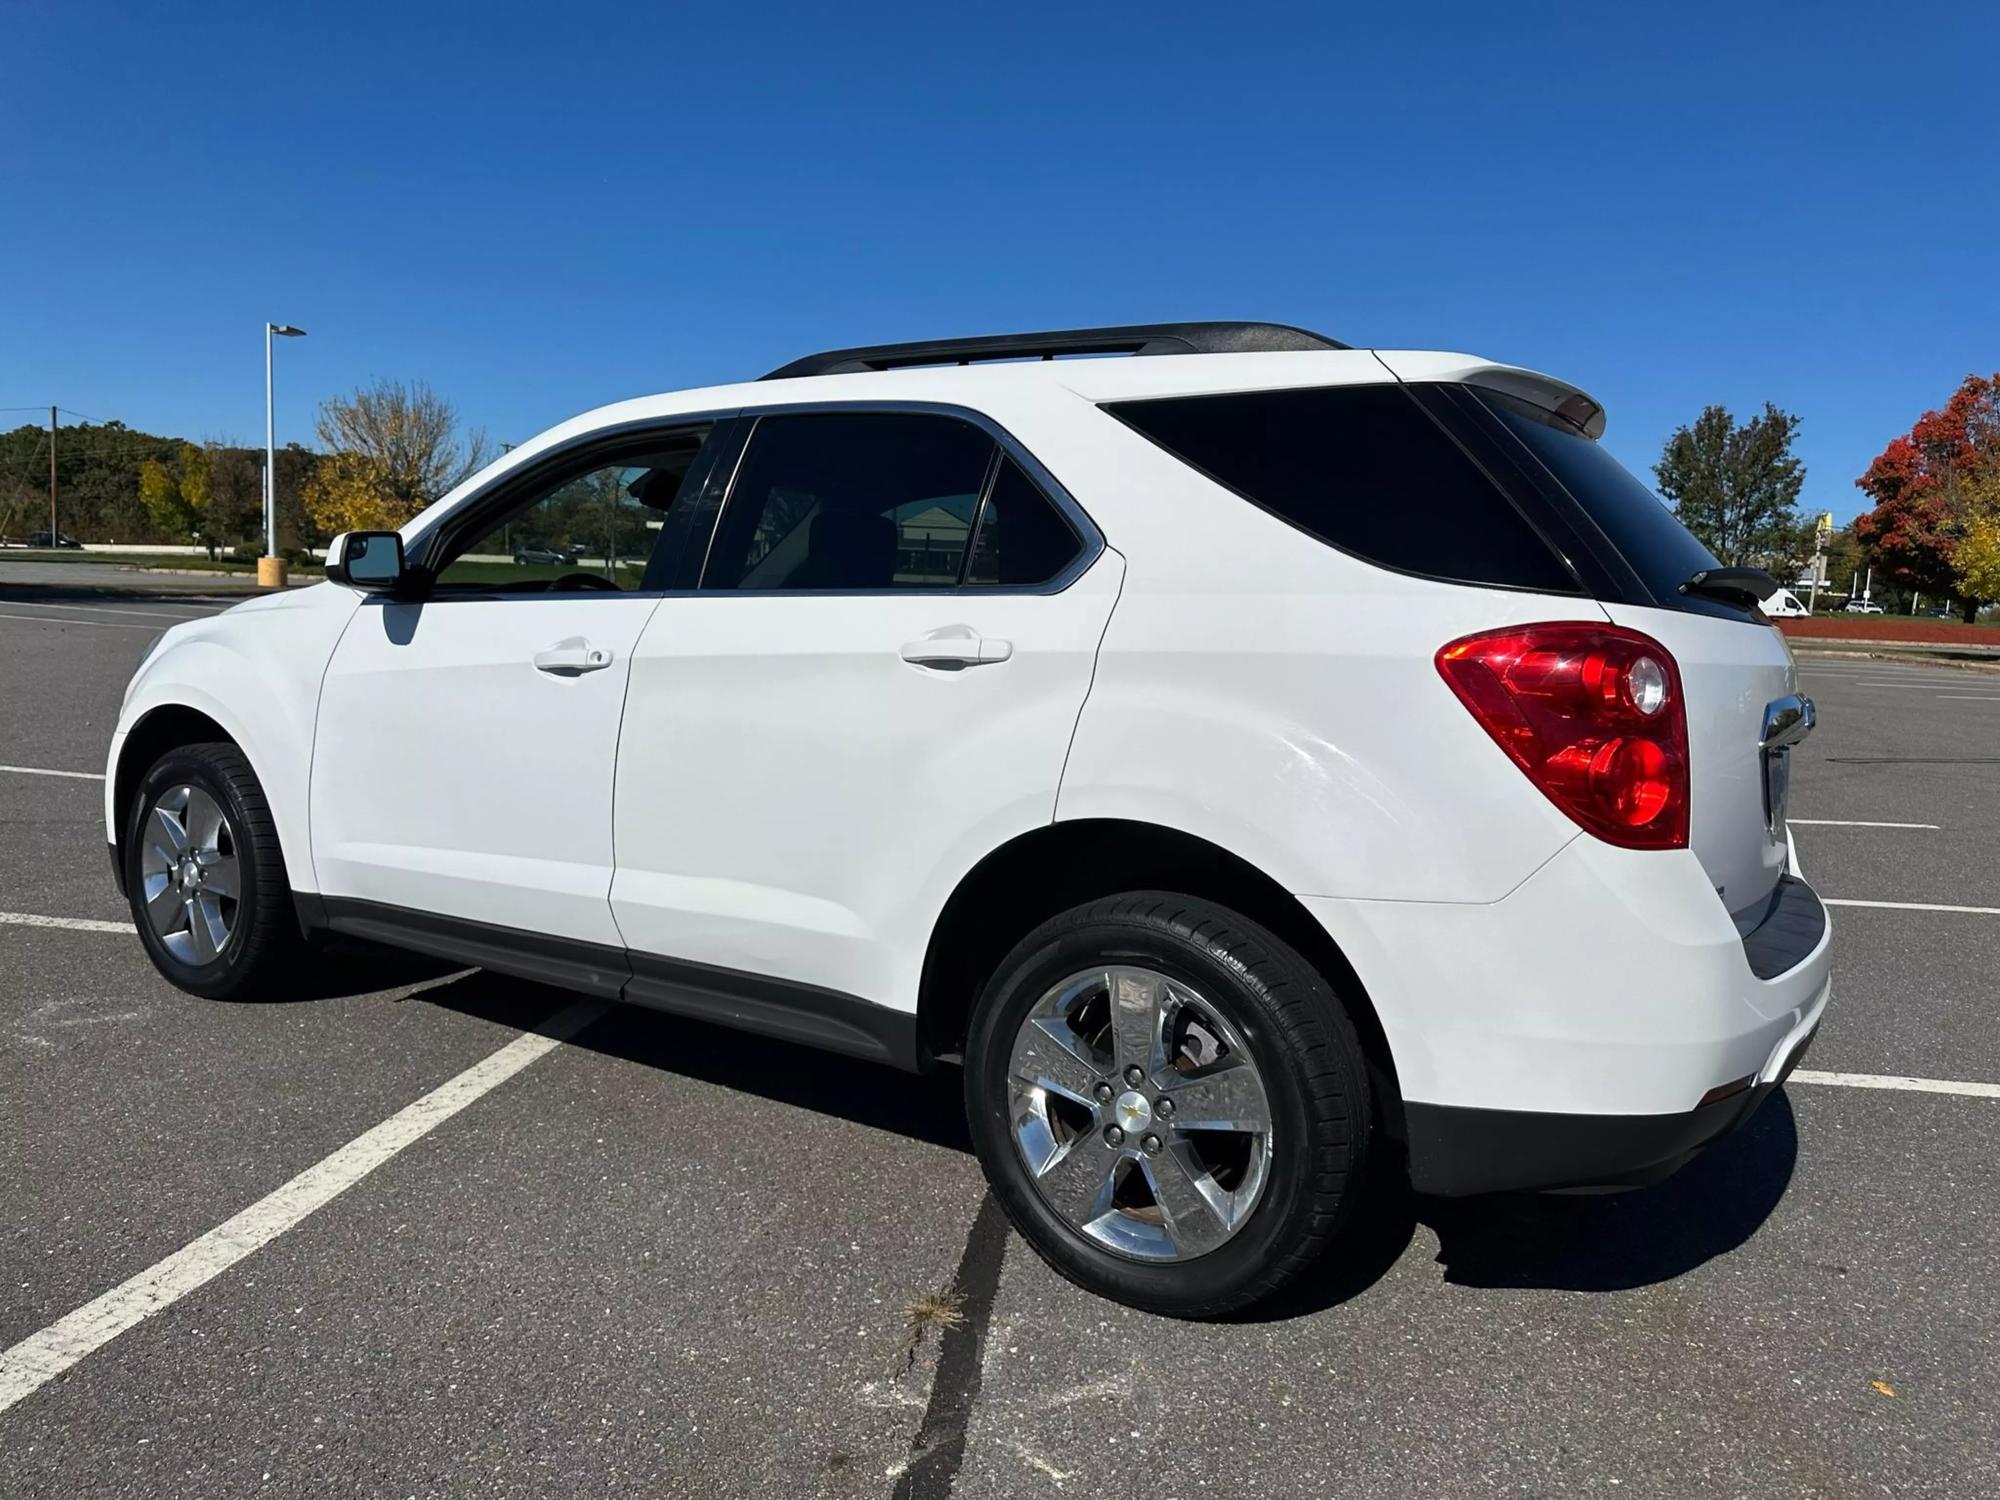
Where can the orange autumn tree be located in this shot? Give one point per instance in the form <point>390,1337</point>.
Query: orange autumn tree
<point>392,450</point>
<point>1936,522</point>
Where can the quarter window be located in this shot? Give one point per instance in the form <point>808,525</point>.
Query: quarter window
<point>1364,469</point>
<point>1022,539</point>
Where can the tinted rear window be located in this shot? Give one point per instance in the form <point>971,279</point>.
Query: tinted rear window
<point>1364,469</point>
<point>1664,553</point>
<point>851,501</point>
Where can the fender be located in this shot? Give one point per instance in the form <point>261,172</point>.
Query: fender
<point>256,671</point>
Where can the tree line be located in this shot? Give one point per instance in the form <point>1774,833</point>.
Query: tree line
<point>387,450</point>
<point>1934,527</point>
<point>101,497</point>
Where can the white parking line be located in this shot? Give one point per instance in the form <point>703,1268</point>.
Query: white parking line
<point>105,609</point>
<point>91,624</point>
<point>1805,822</point>
<point>1978,911</point>
<point>1902,678</point>
<point>1972,697</point>
<point>1889,1081</point>
<point>1911,684</point>
<point>68,924</point>
<point>45,771</point>
<point>41,1357</point>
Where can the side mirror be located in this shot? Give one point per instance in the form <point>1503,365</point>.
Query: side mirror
<point>371,561</point>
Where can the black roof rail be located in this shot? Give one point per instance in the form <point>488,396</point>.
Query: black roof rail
<point>1136,338</point>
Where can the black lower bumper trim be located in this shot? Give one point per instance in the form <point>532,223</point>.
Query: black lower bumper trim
<point>1456,1153</point>
<point>1792,927</point>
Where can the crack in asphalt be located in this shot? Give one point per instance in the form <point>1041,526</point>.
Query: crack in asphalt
<point>938,1450</point>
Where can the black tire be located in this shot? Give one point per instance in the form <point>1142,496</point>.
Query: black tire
<point>1300,1040</point>
<point>264,939</point>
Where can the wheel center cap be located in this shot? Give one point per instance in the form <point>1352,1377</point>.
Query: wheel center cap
<point>1132,1111</point>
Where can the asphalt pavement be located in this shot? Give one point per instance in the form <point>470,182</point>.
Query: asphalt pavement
<point>666,1259</point>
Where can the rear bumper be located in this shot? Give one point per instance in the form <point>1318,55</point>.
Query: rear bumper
<point>1456,1153</point>
<point>1595,1028</point>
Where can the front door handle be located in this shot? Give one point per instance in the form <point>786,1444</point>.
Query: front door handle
<point>572,658</point>
<point>956,651</point>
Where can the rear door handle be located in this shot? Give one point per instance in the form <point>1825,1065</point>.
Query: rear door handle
<point>572,658</point>
<point>956,651</point>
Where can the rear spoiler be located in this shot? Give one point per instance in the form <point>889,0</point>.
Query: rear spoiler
<point>1576,407</point>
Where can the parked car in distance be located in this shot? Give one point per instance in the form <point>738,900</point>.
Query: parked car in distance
<point>60,539</point>
<point>1861,607</point>
<point>1784,604</point>
<point>547,556</point>
<point>1232,759</point>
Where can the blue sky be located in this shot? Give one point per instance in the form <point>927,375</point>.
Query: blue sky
<point>538,209</point>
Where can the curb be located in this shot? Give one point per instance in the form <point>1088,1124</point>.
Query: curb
<point>1929,656</point>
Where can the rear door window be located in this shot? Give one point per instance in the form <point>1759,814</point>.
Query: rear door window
<point>852,501</point>
<point>1364,469</point>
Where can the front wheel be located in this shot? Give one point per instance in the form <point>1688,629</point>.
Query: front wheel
<point>205,876</point>
<point>1169,1102</point>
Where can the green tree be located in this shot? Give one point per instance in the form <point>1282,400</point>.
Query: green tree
<point>236,495</point>
<point>1736,486</point>
<point>1976,559</point>
<point>160,493</point>
<point>196,493</point>
<point>176,495</point>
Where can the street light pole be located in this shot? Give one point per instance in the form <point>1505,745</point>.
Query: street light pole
<point>270,570</point>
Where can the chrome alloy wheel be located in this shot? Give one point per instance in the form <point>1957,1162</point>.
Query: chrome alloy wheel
<point>1140,1113</point>
<point>190,874</point>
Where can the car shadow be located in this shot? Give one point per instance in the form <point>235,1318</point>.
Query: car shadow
<point>928,1108</point>
<point>1603,1242</point>
<point>1616,1242</point>
<point>344,968</point>
<point>1585,1243</point>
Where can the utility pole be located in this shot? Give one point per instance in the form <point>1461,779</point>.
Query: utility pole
<point>53,533</point>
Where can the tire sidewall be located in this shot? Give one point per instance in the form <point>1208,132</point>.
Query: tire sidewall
<point>186,768</point>
<point>1282,1210</point>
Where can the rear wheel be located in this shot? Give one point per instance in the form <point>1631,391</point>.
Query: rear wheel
<point>1169,1102</point>
<point>205,876</point>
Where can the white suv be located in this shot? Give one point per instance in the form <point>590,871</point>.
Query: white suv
<point>1246,762</point>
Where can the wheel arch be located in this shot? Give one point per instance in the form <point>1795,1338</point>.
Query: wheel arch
<point>1050,869</point>
<point>167,727</point>
<point>163,727</point>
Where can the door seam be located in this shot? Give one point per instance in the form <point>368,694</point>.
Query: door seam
<point>617,756</point>
<point>1055,807</point>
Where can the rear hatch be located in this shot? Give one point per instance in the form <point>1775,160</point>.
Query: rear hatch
<point>1736,670</point>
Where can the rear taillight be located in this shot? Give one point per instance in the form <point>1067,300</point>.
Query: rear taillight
<point>1593,714</point>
